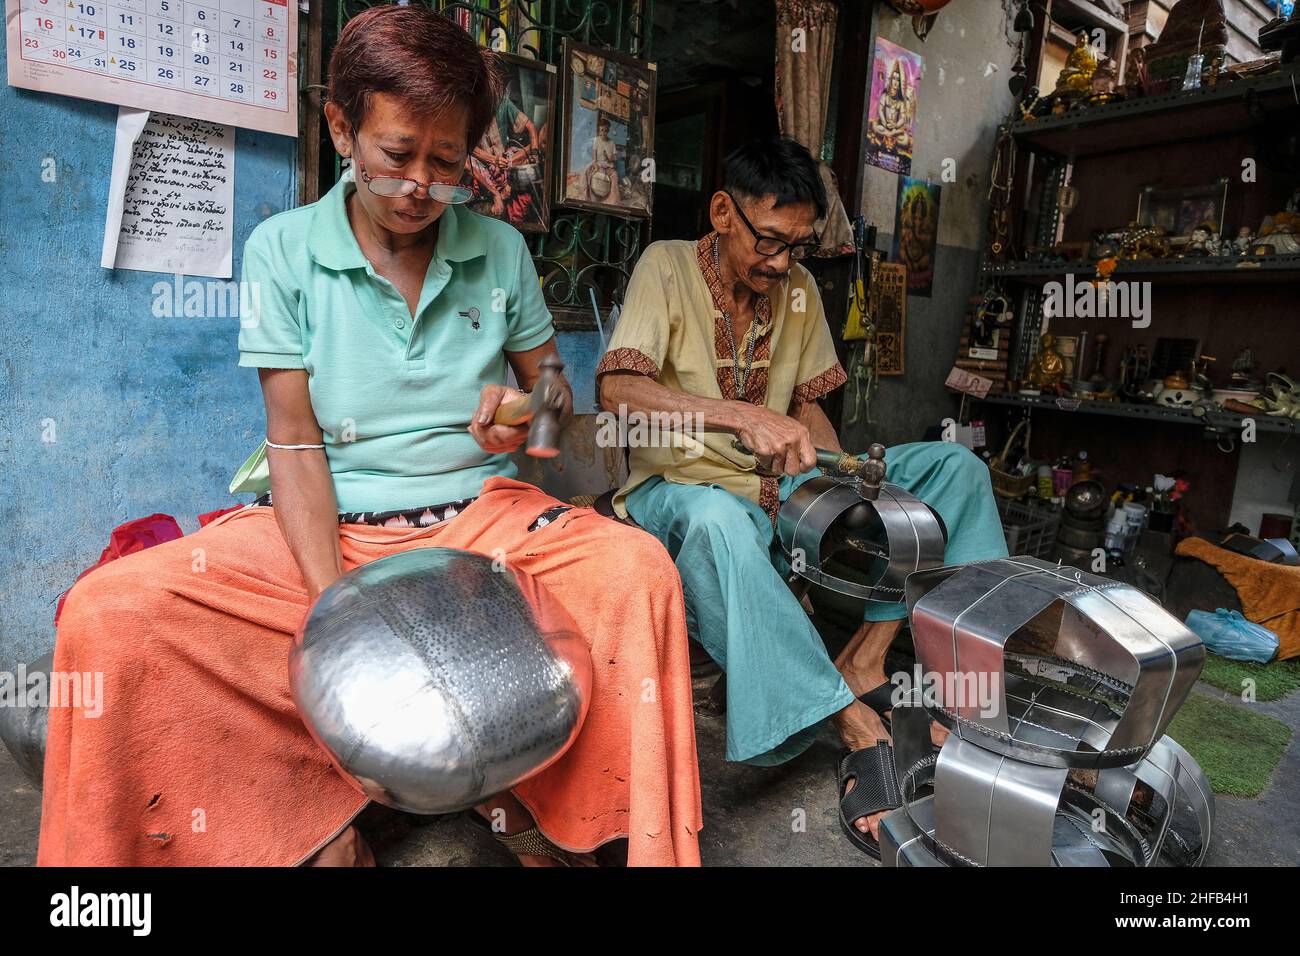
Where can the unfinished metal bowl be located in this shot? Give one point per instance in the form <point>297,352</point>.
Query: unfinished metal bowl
<point>895,534</point>
<point>1050,665</point>
<point>971,807</point>
<point>425,677</point>
<point>23,728</point>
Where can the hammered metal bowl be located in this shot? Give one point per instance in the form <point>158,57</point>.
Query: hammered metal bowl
<point>427,680</point>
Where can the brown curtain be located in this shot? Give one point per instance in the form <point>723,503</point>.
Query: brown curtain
<point>803,86</point>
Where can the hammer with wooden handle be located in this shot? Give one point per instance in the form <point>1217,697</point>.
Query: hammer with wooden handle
<point>541,408</point>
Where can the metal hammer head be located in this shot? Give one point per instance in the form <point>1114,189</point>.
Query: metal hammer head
<point>872,472</point>
<point>548,404</point>
<point>541,408</point>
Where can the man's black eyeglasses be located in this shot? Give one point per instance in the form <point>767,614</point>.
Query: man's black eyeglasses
<point>771,246</point>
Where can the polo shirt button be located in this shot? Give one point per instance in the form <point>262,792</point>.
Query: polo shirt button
<point>400,323</point>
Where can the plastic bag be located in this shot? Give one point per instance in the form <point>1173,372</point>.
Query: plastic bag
<point>1230,635</point>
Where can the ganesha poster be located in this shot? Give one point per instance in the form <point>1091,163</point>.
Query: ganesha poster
<point>916,232</point>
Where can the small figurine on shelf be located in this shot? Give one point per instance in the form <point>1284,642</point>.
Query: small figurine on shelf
<point>1198,244</point>
<point>1075,81</point>
<point>1277,236</point>
<point>1242,244</point>
<point>1135,74</point>
<point>1216,67</point>
<point>1049,367</point>
<point>1104,81</point>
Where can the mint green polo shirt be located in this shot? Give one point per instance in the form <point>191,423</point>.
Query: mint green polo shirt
<point>393,395</point>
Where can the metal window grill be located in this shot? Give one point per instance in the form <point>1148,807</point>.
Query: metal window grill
<point>583,251</point>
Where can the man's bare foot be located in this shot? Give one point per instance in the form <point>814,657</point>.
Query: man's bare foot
<point>862,664</point>
<point>507,815</point>
<point>349,848</point>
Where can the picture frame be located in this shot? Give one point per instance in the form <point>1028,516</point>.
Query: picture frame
<point>1179,211</point>
<point>606,139</point>
<point>887,302</point>
<point>511,167</point>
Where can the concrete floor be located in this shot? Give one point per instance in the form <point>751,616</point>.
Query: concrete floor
<point>749,814</point>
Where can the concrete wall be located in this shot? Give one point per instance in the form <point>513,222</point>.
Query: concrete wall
<point>963,96</point>
<point>107,413</point>
<point>1265,474</point>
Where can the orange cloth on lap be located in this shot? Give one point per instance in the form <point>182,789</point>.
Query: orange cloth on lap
<point>200,757</point>
<point>1269,593</point>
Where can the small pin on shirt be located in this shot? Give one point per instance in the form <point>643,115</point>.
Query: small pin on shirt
<point>472,314</point>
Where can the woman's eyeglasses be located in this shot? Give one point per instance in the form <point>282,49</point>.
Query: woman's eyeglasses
<point>771,246</point>
<point>392,187</point>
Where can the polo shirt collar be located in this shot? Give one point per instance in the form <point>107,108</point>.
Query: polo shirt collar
<point>333,245</point>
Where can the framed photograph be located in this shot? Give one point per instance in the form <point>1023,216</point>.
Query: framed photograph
<point>606,156</point>
<point>510,168</point>
<point>1179,211</point>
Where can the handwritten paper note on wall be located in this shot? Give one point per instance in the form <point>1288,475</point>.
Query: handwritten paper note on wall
<point>171,196</point>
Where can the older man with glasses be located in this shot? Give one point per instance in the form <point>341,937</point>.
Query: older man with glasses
<point>729,332</point>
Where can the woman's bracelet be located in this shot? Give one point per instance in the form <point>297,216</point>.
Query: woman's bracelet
<point>271,444</point>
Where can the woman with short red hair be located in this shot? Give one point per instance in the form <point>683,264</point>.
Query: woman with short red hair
<point>387,315</point>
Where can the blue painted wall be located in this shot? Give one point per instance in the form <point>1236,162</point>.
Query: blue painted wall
<point>149,414</point>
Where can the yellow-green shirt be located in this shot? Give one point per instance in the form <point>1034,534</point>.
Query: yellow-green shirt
<point>672,329</point>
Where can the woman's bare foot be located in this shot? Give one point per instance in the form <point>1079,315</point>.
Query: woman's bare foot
<point>349,848</point>
<point>507,815</point>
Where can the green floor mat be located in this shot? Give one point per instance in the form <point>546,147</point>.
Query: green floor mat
<point>1235,746</point>
<point>1272,681</point>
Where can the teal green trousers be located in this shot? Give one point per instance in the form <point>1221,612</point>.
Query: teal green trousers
<point>781,683</point>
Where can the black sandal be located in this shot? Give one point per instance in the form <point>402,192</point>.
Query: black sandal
<point>875,788</point>
<point>880,699</point>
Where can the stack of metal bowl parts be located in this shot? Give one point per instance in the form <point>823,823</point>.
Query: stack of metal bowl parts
<point>1057,687</point>
<point>1083,523</point>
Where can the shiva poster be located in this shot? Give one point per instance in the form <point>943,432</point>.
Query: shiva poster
<point>891,112</point>
<point>916,232</point>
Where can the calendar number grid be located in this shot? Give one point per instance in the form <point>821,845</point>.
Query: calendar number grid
<point>232,50</point>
